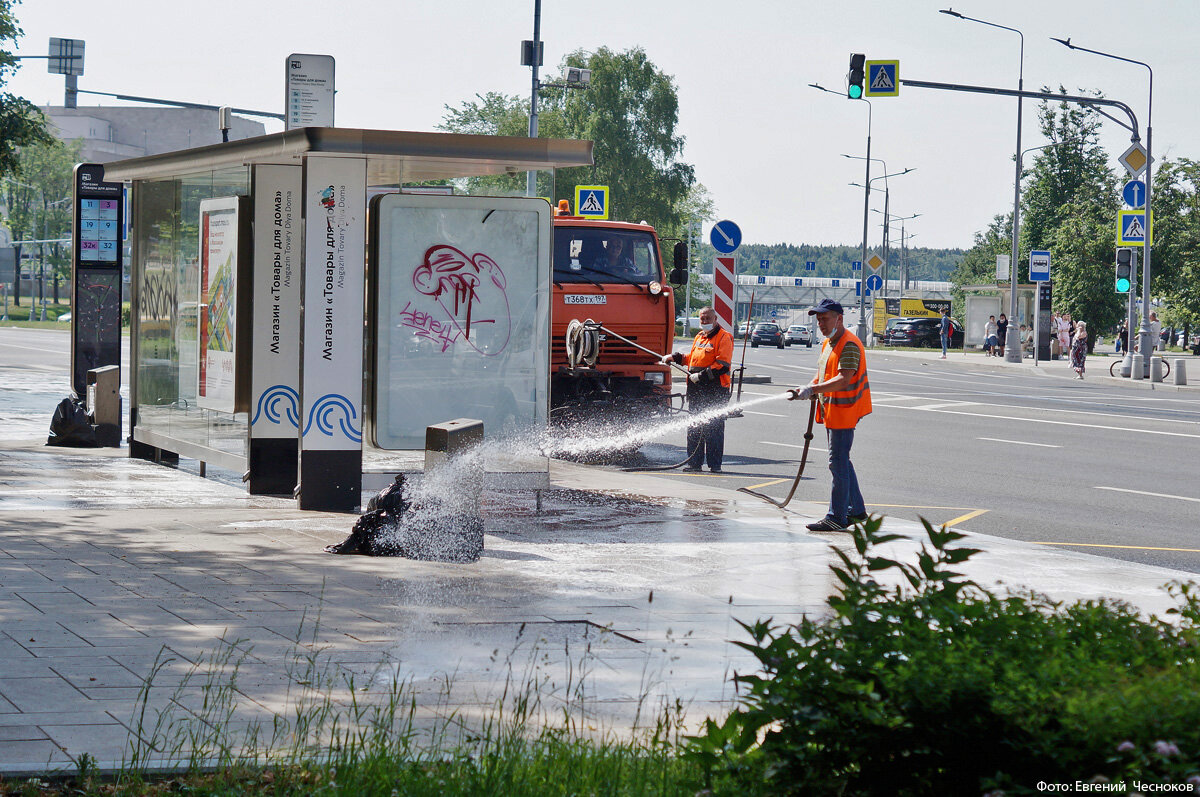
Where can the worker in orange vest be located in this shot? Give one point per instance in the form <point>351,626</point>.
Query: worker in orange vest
<point>844,396</point>
<point>709,364</point>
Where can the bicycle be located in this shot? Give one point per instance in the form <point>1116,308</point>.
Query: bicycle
<point>1114,369</point>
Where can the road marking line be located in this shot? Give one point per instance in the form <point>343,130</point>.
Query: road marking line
<point>911,506</point>
<point>791,445</point>
<point>1152,495</point>
<point>1126,547</point>
<point>1062,423</point>
<point>765,484</point>
<point>945,404</point>
<point>964,518</point>
<point>1017,442</point>
<point>767,414</point>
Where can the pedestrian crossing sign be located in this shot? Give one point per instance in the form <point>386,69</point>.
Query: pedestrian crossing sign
<point>883,79</point>
<point>1131,227</point>
<point>591,201</point>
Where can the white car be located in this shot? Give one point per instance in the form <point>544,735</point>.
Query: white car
<point>798,333</point>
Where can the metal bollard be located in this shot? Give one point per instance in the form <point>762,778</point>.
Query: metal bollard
<point>1139,368</point>
<point>104,404</point>
<point>449,528</point>
<point>1156,374</point>
<point>1179,368</point>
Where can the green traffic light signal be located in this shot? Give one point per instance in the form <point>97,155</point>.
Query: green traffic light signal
<point>855,78</point>
<point>1124,276</point>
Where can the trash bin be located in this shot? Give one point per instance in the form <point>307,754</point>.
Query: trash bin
<point>104,404</point>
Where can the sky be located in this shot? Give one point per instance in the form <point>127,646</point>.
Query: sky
<point>768,148</point>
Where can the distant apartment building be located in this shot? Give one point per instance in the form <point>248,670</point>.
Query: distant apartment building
<point>112,133</point>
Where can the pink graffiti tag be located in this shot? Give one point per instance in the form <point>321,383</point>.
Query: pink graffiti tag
<point>424,325</point>
<point>476,286</point>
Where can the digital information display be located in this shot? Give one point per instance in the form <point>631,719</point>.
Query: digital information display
<point>96,263</point>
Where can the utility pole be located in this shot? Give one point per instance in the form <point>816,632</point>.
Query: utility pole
<point>533,57</point>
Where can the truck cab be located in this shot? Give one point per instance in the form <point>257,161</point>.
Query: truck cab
<point>610,272</point>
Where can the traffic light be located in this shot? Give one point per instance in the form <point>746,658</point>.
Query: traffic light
<point>855,88</point>
<point>1126,260</point>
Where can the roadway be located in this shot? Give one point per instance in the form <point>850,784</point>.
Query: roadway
<point>1019,452</point>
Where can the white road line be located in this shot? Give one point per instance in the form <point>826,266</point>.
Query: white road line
<point>767,414</point>
<point>1089,413</point>
<point>1017,442</point>
<point>1152,495</point>
<point>782,367</point>
<point>1056,423</point>
<point>944,404</point>
<point>790,445</point>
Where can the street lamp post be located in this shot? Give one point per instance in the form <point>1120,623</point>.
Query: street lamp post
<point>531,176</point>
<point>886,204</point>
<point>1144,342</point>
<point>887,219</point>
<point>861,330</point>
<point>1012,345</point>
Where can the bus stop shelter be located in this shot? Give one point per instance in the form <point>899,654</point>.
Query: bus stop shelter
<point>293,306</point>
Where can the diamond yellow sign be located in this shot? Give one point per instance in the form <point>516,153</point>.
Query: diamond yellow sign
<point>875,261</point>
<point>1134,160</point>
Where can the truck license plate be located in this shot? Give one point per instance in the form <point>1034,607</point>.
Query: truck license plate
<point>584,298</point>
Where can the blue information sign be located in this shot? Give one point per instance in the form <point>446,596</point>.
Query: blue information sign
<point>1039,266</point>
<point>725,237</point>
<point>1134,194</point>
<point>810,265</point>
<point>762,280</point>
<point>856,265</point>
<point>874,282</point>
<point>764,264</point>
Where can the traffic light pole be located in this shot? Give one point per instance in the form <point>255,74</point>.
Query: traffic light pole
<point>862,264</point>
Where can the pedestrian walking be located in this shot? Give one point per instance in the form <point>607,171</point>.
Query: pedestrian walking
<point>843,398</point>
<point>709,364</point>
<point>1001,332</point>
<point>946,329</point>
<point>1123,337</point>
<point>1063,326</point>
<point>1079,349</point>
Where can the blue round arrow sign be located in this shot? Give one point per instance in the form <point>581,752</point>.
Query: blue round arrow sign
<point>725,237</point>
<point>1134,194</point>
<point>874,282</point>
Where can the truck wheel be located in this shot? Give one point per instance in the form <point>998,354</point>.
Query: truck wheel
<point>754,345</point>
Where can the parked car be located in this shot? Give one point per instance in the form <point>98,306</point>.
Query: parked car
<point>798,333</point>
<point>920,333</point>
<point>767,333</point>
<point>742,329</point>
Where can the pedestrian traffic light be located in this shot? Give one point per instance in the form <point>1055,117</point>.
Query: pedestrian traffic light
<point>1125,263</point>
<point>855,88</point>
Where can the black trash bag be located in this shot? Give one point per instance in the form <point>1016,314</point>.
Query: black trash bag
<point>71,425</point>
<point>375,532</point>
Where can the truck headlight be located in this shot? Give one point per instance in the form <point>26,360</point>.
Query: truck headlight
<point>655,288</point>
<point>653,377</point>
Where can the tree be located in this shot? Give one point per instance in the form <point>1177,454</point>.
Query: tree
<point>978,266</point>
<point>630,111</point>
<point>37,199</point>
<point>1083,261</point>
<point>1175,257</point>
<point>21,122</point>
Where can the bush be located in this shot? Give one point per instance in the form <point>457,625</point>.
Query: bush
<point>942,687</point>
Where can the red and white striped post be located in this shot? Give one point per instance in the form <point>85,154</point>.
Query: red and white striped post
<point>725,291</point>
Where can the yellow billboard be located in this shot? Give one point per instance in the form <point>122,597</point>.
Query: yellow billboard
<point>906,308</point>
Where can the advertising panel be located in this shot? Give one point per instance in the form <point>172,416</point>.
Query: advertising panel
<point>334,242</point>
<point>461,314</point>
<point>907,308</point>
<point>218,304</point>
<point>275,382</point>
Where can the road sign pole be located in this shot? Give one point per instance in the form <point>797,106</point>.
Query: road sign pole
<point>861,330</point>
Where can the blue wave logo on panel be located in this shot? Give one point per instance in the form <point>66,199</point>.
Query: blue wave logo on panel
<point>333,407</point>
<point>269,405</point>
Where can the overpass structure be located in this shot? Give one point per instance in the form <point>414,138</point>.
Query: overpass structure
<point>789,298</point>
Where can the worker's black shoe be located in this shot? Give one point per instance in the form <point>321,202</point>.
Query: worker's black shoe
<point>691,468</point>
<point>826,524</point>
<point>859,518</point>
<point>714,470</point>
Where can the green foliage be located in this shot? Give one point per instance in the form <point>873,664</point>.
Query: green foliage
<point>921,682</point>
<point>1083,256</point>
<point>1175,255</point>
<point>630,111</point>
<point>37,199</point>
<point>21,122</point>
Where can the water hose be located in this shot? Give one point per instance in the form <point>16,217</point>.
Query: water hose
<point>808,436</point>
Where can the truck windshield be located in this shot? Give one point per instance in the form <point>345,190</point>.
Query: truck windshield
<point>606,256</point>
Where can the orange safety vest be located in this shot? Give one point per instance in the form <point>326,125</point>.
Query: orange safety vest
<point>841,409</point>
<point>717,350</point>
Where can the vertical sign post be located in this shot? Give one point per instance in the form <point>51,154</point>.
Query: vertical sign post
<point>98,212</point>
<point>725,237</point>
<point>331,354</point>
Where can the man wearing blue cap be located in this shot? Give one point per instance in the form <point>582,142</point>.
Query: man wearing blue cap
<point>844,396</point>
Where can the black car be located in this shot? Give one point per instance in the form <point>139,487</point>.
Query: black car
<point>920,333</point>
<point>767,333</point>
